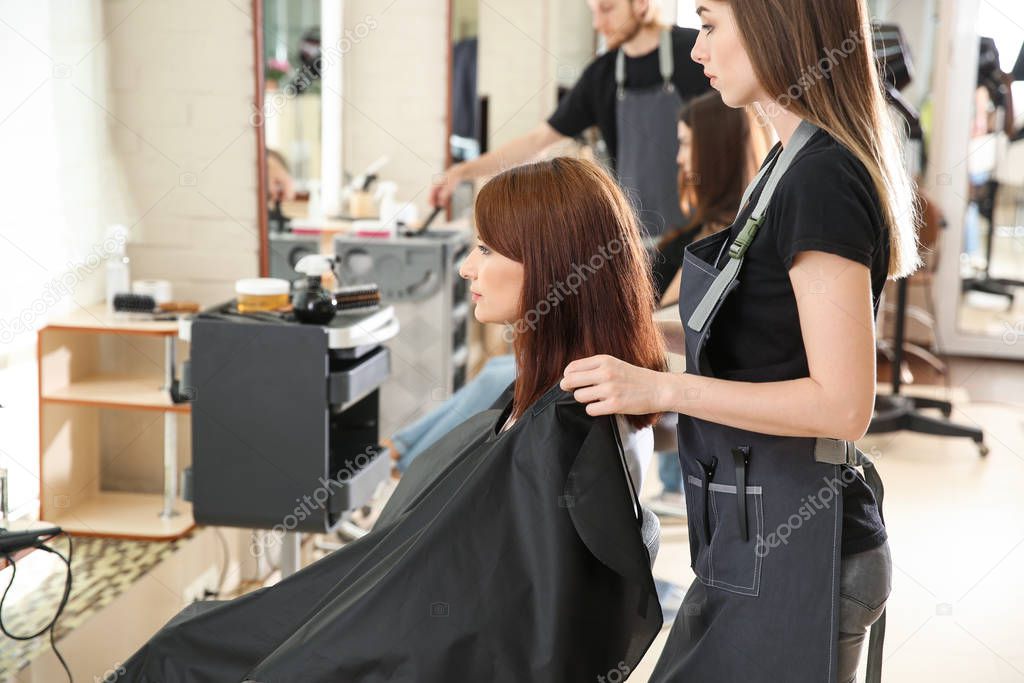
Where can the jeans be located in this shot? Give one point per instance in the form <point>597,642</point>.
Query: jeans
<point>865,580</point>
<point>475,396</point>
<point>670,472</point>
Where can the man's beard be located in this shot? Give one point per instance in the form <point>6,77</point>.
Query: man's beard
<point>627,35</point>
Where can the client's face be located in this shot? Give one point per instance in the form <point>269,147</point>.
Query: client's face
<point>496,283</point>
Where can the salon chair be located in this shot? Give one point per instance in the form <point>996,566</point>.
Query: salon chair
<point>650,531</point>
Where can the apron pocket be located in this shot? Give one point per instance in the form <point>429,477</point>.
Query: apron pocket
<point>695,521</point>
<point>728,562</point>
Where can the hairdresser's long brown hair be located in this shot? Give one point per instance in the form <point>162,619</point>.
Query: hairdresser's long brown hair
<point>789,42</point>
<point>726,149</point>
<point>586,287</point>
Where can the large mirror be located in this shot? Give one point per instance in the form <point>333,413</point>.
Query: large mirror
<point>464,124</point>
<point>467,119</point>
<point>292,124</point>
<point>292,91</point>
<point>992,251</point>
<point>975,173</point>
<point>363,105</point>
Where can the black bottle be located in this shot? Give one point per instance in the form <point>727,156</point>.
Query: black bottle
<point>313,304</point>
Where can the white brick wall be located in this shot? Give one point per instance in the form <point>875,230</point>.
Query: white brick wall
<point>148,125</point>
<point>395,84</point>
<point>527,49</point>
<point>105,105</point>
<point>516,67</point>
<point>182,85</point>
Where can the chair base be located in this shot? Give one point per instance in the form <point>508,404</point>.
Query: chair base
<point>899,413</point>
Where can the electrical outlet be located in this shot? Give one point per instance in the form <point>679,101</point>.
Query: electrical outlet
<point>196,590</point>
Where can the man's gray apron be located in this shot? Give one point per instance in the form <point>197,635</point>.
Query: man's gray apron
<point>647,123</point>
<point>765,512</point>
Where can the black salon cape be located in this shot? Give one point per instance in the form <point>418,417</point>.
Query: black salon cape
<point>508,557</point>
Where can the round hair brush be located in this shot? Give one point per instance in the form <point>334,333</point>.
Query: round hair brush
<point>357,298</point>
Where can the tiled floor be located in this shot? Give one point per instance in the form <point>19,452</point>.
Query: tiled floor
<point>956,526</point>
<point>103,569</point>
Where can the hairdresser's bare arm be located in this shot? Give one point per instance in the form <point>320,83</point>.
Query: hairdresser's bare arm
<point>833,298</point>
<point>512,153</point>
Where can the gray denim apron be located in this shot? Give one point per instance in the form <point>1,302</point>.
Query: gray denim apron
<point>764,512</point>
<point>647,123</point>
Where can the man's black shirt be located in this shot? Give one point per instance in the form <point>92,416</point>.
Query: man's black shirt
<point>592,100</point>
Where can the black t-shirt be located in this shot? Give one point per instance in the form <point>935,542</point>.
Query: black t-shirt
<point>826,202</point>
<point>592,100</point>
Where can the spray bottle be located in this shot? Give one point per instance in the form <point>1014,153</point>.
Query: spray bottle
<point>313,304</point>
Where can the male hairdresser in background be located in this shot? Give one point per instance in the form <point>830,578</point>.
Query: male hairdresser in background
<point>633,93</point>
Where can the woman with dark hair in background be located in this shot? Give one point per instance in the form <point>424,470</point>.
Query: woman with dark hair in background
<point>720,149</point>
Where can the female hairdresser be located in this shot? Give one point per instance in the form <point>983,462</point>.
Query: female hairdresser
<point>786,538</point>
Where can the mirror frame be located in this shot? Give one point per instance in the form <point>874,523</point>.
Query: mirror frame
<point>261,149</point>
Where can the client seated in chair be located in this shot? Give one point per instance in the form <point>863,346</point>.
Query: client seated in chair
<point>515,547</point>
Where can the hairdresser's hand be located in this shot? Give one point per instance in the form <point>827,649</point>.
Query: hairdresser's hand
<point>610,386</point>
<point>445,184</point>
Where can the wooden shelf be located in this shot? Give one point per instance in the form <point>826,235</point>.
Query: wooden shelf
<point>141,393</point>
<point>94,462</point>
<point>98,319</point>
<point>114,514</point>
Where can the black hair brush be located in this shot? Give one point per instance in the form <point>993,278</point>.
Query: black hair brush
<point>127,302</point>
<point>142,305</point>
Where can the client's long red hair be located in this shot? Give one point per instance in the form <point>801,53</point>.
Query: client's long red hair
<point>587,281</point>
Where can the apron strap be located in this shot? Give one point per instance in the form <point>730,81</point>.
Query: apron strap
<point>842,452</point>
<point>764,170</point>
<point>838,452</point>
<point>739,246</point>
<point>666,64</point>
<point>876,641</point>
<point>665,61</point>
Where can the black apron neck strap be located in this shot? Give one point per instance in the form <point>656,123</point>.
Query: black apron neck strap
<point>702,313</point>
<point>666,64</point>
